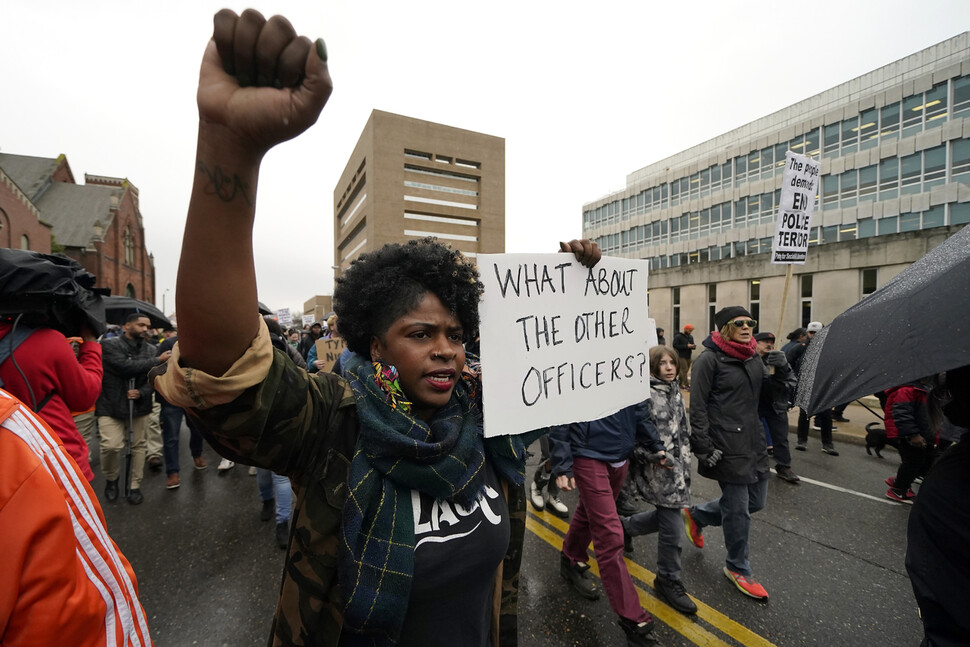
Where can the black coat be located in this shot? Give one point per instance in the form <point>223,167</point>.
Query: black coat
<point>681,341</point>
<point>724,397</point>
<point>937,559</point>
<point>124,359</point>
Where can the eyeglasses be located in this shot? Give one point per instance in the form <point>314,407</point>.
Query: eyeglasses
<point>739,323</point>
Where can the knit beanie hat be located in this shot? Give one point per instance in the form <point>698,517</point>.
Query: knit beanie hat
<point>724,315</point>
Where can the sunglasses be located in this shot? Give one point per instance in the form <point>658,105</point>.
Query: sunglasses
<point>739,323</point>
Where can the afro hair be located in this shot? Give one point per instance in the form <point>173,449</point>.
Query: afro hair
<point>382,286</point>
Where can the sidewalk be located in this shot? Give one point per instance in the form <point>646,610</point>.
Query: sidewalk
<point>853,431</point>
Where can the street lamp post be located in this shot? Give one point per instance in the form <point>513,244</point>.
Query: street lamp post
<point>164,311</point>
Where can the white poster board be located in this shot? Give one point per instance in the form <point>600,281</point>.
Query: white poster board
<point>283,317</point>
<point>799,187</point>
<point>561,343</point>
<point>307,320</point>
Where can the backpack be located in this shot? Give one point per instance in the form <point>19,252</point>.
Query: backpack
<point>7,346</point>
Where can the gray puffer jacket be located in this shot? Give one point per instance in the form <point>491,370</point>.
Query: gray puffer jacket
<point>724,397</point>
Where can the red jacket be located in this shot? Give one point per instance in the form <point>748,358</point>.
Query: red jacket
<point>48,363</point>
<point>906,412</point>
<point>63,581</point>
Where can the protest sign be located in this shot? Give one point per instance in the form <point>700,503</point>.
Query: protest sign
<point>328,352</point>
<point>307,320</point>
<point>798,189</point>
<point>561,343</point>
<point>283,317</point>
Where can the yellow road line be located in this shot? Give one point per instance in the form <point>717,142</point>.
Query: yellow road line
<point>657,607</point>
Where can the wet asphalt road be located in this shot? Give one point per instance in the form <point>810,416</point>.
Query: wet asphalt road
<point>831,560</point>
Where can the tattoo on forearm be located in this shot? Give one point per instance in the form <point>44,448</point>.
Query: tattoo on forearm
<point>225,187</point>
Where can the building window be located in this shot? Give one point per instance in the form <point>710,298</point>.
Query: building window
<point>889,122</point>
<point>129,243</point>
<point>908,222</point>
<point>711,305</point>
<point>675,301</point>
<point>960,213</point>
<point>868,280</point>
<point>961,95</point>
<point>960,161</point>
<point>888,225</point>
<point>417,154</point>
<point>934,217</point>
<point>24,242</point>
<point>806,299</point>
<point>130,291</point>
<point>754,300</point>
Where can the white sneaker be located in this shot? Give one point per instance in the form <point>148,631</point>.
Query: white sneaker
<point>556,506</point>
<point>252,470</point>
<point>225,464</point>
<point>535,495</point>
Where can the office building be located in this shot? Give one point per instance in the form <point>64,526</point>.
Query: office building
<point>894,145</point>
<point>409,178</point>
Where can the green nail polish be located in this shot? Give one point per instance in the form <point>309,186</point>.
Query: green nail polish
<point>322,50</point>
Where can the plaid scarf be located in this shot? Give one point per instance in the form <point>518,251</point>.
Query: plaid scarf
<point>397,453</point>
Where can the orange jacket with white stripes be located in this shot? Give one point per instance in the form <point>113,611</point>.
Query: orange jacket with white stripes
<point>64,581</point>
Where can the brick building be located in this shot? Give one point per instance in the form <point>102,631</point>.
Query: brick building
<point>97,223</point>
<point>21,226</point>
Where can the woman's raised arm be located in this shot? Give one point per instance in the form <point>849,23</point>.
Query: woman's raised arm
<point>260,84</point>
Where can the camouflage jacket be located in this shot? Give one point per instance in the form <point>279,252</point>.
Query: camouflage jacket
<point>305,427</point>
<point>668,488</point>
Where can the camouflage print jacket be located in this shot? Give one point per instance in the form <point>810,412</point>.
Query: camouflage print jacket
<point>267,412</point>
<point>668,488</point>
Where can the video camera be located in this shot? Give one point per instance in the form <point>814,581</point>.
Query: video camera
<point>49,291</point>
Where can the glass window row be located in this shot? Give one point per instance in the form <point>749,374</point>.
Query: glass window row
<point>915,113</point>
<point>938,216</point>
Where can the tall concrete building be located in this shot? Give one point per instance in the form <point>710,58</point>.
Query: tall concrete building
<point>894,145</point>
<point>409,178</point>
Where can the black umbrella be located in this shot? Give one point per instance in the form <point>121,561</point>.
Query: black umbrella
<point>914,326</point>
<point>264,309</point>
<point>117,309</point>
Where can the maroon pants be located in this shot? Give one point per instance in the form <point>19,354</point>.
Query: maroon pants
<point>596,519</point>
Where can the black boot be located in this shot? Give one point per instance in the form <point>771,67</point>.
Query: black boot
<point>577,576</point>
<point>268,510</point>
<point>638,635</point>
<point>673,592</point>
<point>627,539</point>
<point>282,534</point>
<point>111,490</point>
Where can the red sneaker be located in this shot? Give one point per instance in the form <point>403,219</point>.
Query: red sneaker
<point>693,530</point>
<point>746,585</point>
<point>898,495</point>
<point>891,481</point>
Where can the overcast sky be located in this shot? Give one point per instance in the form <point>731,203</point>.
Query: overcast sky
<point>583,93</point>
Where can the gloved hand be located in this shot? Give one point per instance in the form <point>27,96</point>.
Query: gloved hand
<point>776,358</point>
<point>643,455</point>
<point>710,460</point>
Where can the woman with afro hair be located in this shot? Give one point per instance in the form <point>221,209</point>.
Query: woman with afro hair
<point>400,522</point>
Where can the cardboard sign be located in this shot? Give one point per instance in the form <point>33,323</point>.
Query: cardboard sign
<point>283,317</point>
<point>798,189</point>
<point>328,351</point>
<point>561,343</point>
